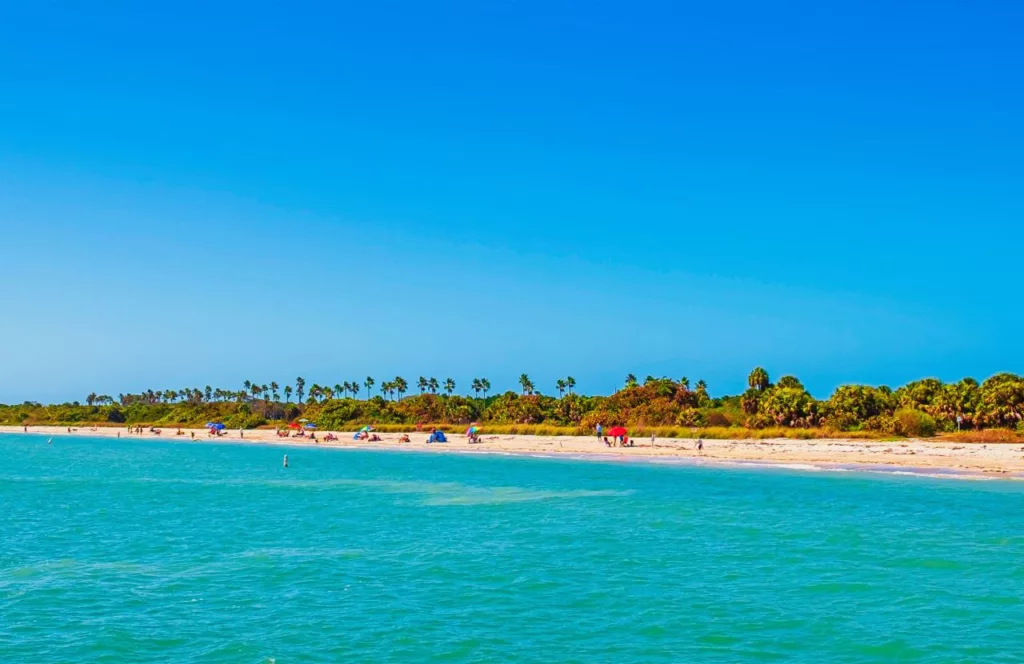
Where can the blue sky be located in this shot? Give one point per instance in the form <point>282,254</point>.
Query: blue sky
<point>203,193</point>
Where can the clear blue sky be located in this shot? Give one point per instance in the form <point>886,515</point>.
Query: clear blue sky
<point>200,193</point>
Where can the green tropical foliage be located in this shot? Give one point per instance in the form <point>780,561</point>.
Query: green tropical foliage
<point>919,408</point>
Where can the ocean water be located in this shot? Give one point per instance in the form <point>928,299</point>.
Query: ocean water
<point>128,551</point>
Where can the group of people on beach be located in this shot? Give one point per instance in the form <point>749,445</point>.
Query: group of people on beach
<point>624,441</point>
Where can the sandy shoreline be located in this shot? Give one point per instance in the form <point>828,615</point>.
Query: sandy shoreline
<point>994,459</point>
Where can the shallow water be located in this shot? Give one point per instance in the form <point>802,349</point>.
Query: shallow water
<point>128,551</point>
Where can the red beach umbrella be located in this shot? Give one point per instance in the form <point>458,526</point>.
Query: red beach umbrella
<point>294,425</point>
<point>617,431</point>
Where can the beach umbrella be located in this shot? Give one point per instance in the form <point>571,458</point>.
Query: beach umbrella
<point>367,428</point>
<point>310,426</point>
<point>215,425</point>
<point>210,425</point>
<point>471,430</point>
<point>303,420</point>
<point>294,425</point>
<point>617,431</point>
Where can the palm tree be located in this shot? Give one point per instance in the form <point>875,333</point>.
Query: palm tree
<point>273,388</point>
<point>630,381</point>
<point>433,385</point>
<point>369,383</point>
<point>401,386</point>
<point>684,382</point>
<point>758,379</point>
<point>208,393</point>
<point>476,387</point>
<point>570,383</point>
<point>300,388</point>
<point>524,381</point>
<point>422,384</point>
<point>485,387</point>
<point>247,385</point>
<point>560,385</point>
<point>288,393</point>
<point>449,386</point>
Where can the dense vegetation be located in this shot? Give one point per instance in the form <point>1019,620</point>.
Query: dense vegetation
<point>920,408</point>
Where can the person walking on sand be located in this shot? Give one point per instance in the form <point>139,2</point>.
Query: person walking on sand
<point>700,447</point>
<point>599,431</point>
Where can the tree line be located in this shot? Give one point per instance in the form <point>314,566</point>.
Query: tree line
<point>920,407</point>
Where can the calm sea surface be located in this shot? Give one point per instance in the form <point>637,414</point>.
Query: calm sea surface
<point>117,551</point>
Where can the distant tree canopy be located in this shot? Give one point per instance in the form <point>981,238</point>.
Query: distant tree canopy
<point>918,408</point>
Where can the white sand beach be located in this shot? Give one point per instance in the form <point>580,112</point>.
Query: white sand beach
<point>918,454</point>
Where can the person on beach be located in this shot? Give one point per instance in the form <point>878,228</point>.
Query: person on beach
<point>285,460</point>
<point>599,431</point>
<point>193,434</point>
<point>700,447</point>
<point>241,434</point>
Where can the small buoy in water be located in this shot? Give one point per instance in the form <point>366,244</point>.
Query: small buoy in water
<point>285,460</point>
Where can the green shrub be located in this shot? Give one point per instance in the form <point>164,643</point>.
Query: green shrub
<point>913,423</point>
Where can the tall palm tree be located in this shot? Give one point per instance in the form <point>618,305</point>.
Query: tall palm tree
<point>287,393</point>
<point>570,383</point>
<point>560,385</point>
<point>208,393</point>
<point>300,388</point>
<point>422,384</point>
<point>449,386</point>
<point>338,390</point>
<point>684,382</point>
<point>476,387</point>
<point>369,383</point>
<point>401,386</point>
<point>273,388</point>
<point>485,387</point>
<point>758,379</point>
<point>433,385</point>
<point>630,381</point>
<point>524,381</point>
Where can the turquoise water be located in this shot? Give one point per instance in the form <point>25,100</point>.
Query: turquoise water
<point>133,551</point>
